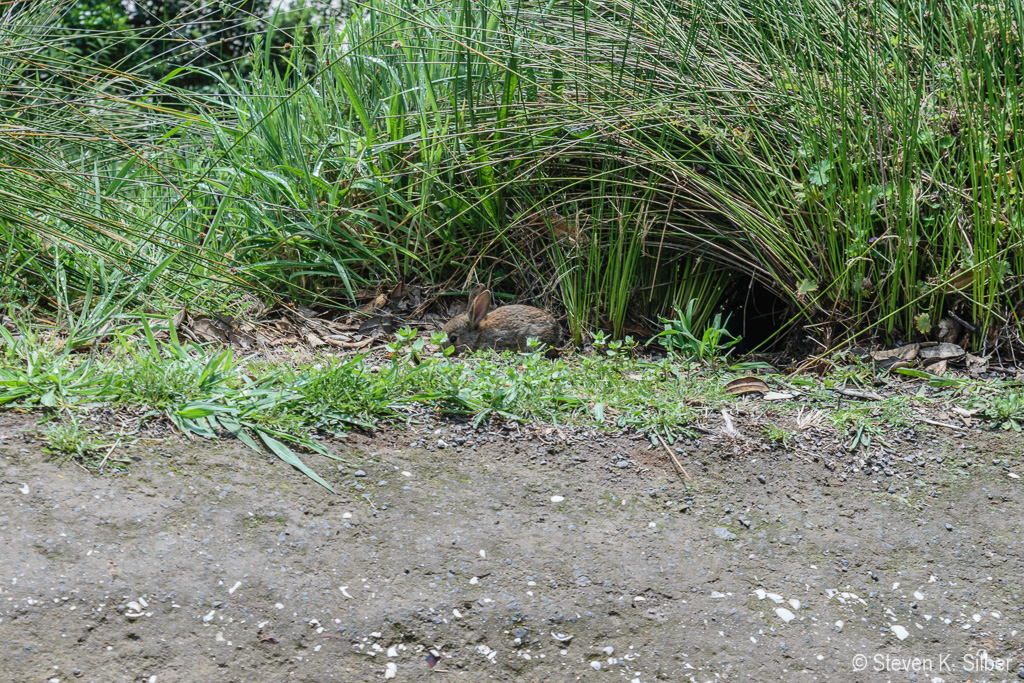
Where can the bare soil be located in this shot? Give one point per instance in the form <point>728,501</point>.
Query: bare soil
<point>514,554</point>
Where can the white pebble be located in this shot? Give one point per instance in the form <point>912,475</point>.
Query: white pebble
<point>596,666</point>
<point>785,614</point>
<point>558,499</point>
<point>231,591</point>
<point>794,603</point>
<point>483,554</point>
<point>900,632</point>
<point>474,581</point>
<point>209,617</point>
<point>391,670</point>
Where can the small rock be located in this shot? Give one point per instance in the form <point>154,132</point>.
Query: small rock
<point>725,534</point>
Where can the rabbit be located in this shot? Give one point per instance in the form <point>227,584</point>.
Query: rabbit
<point>505,329</point>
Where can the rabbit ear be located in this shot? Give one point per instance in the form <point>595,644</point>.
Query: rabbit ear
<point>476,291</point>
<point>478,308</point>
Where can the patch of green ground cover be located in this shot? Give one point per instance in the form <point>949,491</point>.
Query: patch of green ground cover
<point>612,389</point>
<point>209,392</point>
<point>69,440</point>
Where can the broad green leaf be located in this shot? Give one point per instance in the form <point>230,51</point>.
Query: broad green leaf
<point>818,173</point>
<point>282,451</point>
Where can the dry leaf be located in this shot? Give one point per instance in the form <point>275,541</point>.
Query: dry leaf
<point>907,353</point>
<point>894,365</point>
<point>206,330</point>
<point>379,302</point>
<point>779,396</point>
<point>746,385</point>
<point>976,364</point>
<point>290,341</point>
<point>949,331</point>
<point>943,351</point>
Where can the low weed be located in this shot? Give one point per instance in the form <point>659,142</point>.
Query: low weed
<point>1005,409</point>
<point>69,440</point>
<point>681,335</point>
<point>776,435</point>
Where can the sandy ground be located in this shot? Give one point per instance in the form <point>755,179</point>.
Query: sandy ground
<point>515,555</point>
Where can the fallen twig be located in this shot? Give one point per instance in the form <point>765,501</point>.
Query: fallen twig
<point>675,461</point>
<point>941,424</point>
<point>109,451</point>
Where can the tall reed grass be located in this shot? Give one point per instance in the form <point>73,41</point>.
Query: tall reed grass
<point>614,159</point>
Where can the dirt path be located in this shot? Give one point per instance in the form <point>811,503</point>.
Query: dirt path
<point>511,560</point>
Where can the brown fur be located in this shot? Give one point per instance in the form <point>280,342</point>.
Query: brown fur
<point>504,329</point>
